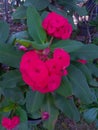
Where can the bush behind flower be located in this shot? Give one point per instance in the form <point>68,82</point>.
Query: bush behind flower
<point>73,81</point>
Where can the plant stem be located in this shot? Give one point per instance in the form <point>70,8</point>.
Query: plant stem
<point>51,40</point>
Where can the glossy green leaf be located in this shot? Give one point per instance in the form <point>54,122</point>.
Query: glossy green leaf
<point>85,70</point>
<point>79,84</point>
<point>81,11</point>
<point>65,88</point>
<point>7,108</point>
<point>18,35</point>
<point>39,4</point>
<point>72,7</point>
<point>68,107</point>
<point>48,106</point>
<point>88,74</point>
<point>34,101</point>
<point>40,46</point>
<point>23,42</point>
<point>34,26</point>
<point>10,56</point>
<point>89,52</point>
<point>93,68</point>
<point>23,118</point>
<point>20,13</point>
<point>68,45</point>
<point>14,95</point>
<point>10,79</point>
<point>90,115</point>
<point>4,31</point>
<point>34,44</point>
<point>22,114</point>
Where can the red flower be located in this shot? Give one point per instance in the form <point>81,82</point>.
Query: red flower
<point>82,61</point>
<point>57,26</point>
<point>44,75</point>
<point>62,57</point>
<point>9,124</point>
<point>54,82</point>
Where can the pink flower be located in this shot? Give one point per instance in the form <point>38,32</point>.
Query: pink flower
<point>44,75</point>
<point>34,72</point>
<point>82,61</point>
<point>45,115</point>
<point>57,26</point>
<point>9,124</point>
<point>62,56</point>
<point>54,82</point>
<point>22,48</point>
<point>53,66</point>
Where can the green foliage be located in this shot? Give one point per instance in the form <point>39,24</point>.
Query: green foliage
<point>88,52</point>
<point>23,118</point>
<point>65,88</point>
<point>90,115</point>
<point>67,106</point>
<point>68,45</point>
<point>10,79</point>
<point>77,93</point>
<point>34,26</point>
<point>9,55</point>
<point>34,101</point>
<point>79,85</point>
<point>40,5</point>
<point>4,31</point>
<point>20,13</point>
<point>48,106</point>
<point>72,6</point>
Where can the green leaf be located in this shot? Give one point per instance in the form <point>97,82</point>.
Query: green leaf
<point>39,4</point>
<point>68,107</point>
<point>90,115</point>
<point>88,74</point>
<point>86,71</point>
<point>23,118</point>
<point>7,108</point>
<point>22,114</point>
<point>34,44</point>
<point>65,88</point>
<point>18,35</point>
<point>14,95</point>
<point>9,55</point>
<point>68,45</point>
<point>89,52</point>
<point>49,107</point>
<point>40,46</point>
<point>23,126</point>
<point>93,68</point>
<point>4,31</point>
<point>81,11</point>
<point>20,13</point>
<point>23,42</point>
<point>34,101</point>
<point>72,6</point>
<point>10,79</point>
<point>34,26</point>
<point>79,84</point>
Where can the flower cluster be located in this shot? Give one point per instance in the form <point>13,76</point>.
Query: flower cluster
<point>57,26</point>
<point>9,124</point>
<point>44,75</point>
